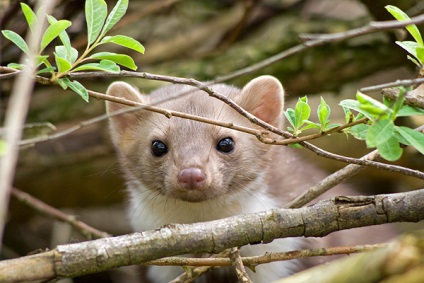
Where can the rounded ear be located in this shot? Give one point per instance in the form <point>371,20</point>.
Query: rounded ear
<point>263,97</point>
<point>120,122</point>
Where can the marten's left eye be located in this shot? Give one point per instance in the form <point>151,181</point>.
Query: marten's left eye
<point>159,148</point>
<point>226,145</point>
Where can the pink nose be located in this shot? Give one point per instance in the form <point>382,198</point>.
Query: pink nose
<point>191,178</point>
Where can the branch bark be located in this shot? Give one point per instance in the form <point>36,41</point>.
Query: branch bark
<point>215,236</point>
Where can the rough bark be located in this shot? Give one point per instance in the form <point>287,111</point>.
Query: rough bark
<point>213,237</point>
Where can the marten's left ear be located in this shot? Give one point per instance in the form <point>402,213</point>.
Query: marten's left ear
<point>264,98</point>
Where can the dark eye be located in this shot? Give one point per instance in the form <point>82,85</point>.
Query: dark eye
<point>226,145</point>
<point>159,148</point>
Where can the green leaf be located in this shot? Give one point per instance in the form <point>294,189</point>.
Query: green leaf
<point>17,40</point>
<point>390,149</point>
<point>115,15</point>
<point>409,46</point>
<point>104,65</point>
<point>95,15</point>
<point>15,66</point>
<point>75,86</point>
<point>415,138</point>
<point>407,110</point>
<point>63,65</point>
<point>52,32</point>
<point>69,55</point>
<point>30,16</point>
<point>355,105</point>
<point>64,37</point>
<point>311,125</point>
<point>42,59</point>
<point>323,113</point>
<point>289,113</point>
<point>64,82</point>
<point>402,16</point>
<point>46,70</point>
<point>125,41</point>
<point>3,147</point>
<point>302,112</point>
<point>420,54</point>
<point>372,106</point>
<point>415,61</point>
<point>120,59</point>
<point>379,132</point>
<point>359,131</point>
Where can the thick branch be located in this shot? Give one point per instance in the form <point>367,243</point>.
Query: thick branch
<point>215,236</point>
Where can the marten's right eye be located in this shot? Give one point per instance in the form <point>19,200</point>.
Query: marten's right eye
<point>159,148</point>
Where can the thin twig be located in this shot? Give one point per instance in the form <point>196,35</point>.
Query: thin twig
<point>191,272</point>
<point>392,84</point>
<point>330,182</point>
<point>263,259</point>
<point>50,211</point>
<point>237,263</point>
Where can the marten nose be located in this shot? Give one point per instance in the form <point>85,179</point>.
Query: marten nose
<point>191,178</point>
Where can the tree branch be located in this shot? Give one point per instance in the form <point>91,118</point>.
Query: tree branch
<point>262,259</point>
<point>215,236</point>
<point>401,261</point>
<point>50,211</point>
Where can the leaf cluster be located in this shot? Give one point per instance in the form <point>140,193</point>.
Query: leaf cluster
<point>298,117</point>
<point>67,59</point>
<point>381,132</point>
<point>414,48</point>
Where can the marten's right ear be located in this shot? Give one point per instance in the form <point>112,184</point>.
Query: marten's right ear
<point>120,122</point>
<point>264,98</point>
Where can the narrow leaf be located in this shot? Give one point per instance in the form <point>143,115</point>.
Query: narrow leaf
<point>115,15</point>
<point>64,37</point>
<point>52,32</point>
<point>30,16</point>
<point>372,106</point>
<point>402,16</point>
<point>125,41</point>
<point>323,112</point>
<point>46,70</point>
<point>420,54</point>
<point>415,138</point>
<point>120,59</point>
<point>415,61</point>
<point>63,65</point>
<point>355,105</point>
<point>409,46</point>
<point>302,112</point>
<point>104,65</point>
<point>15,66</point>
<point>289,113</point>
<point>95,15</point>
<point>390,149</point>
<point>64,82</point>
<point>379,132</point>
<point>17,40</point>
<point>75,86</point>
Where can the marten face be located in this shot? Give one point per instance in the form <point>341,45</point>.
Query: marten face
<point>190,160</point>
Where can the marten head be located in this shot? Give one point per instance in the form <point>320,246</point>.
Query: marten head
<point>190,160</point>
